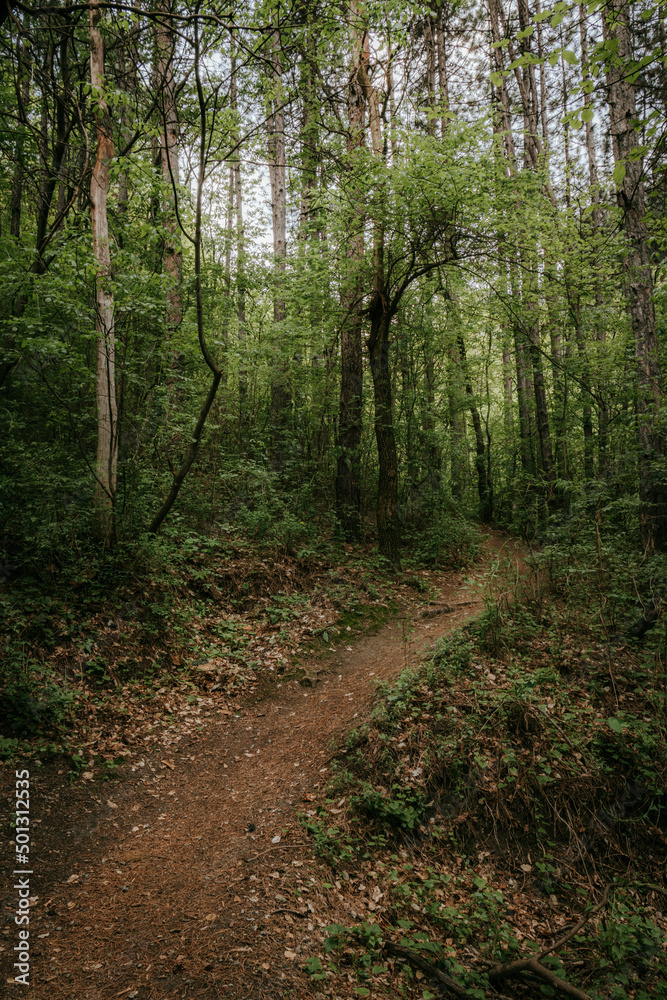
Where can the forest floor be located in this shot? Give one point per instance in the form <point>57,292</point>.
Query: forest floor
<point>190,873</point>
<point>382,778</point>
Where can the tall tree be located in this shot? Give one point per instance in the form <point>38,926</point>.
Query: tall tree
<point>107,410</point>
<point>348,442</point>
<point>628,175</point>
<point>280,388</point>
<point>169,166</point>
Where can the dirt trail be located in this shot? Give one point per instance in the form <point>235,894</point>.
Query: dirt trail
<point>176,884</point>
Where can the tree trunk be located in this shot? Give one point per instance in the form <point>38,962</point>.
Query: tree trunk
<point>381,312</point>
<point>432,456</point>
<point>240,258</point>
<point>107,427</point>
<point>348,466</point>
<point>638,280</point>
<point>457,427</point>
<point>173,253</point>
<point>280,392</point>
<point>23,86</point>
<point>430,47</point>
<point>179,475</point>
<point>443,83</point>
<point>484,485</point>
<point>597,223</point>
<point>389,539</point>
<point>541,410</point>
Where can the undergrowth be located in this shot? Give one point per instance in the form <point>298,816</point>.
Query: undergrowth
<point>503,788</point>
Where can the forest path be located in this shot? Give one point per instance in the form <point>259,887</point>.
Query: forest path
<point>179,885</point>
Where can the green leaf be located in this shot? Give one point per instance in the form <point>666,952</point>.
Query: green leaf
<point>619,173</point>
<point>613,723</point>
<point>570,57</point>
<point>587,115</point>
<point>362,991</point>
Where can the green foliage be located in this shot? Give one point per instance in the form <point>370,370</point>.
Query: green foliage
<point>443,537</point>
<point>330,842</point>
<point>30,702</point>
<point>399,809</point>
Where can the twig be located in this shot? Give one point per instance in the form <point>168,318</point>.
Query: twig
<point>534,964</point>
<point>511,969</point>
<point>414,958</point>
<point>577,927</point>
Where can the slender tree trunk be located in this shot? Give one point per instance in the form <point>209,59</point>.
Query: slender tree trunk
<point>541,409</point>
<point>524,404</point>
<point>408,401</point>
<point>348,466</point>
<point>441,49</point>
<point>457,426</point>
<point>381,312</point>
<point>23,83</point>
<point>387,500</point>
<point>591,154</point>
<point>432,453</point>
<point>638,280</point>
<point>484,485</point>
<point>430,47</point>
<point>586,408</point>
<point>309,132</point>
<point>589,124</point>
<point>280,391</point>
<point>179,475</point>
<point>107,422</point>
<point>240,257</point>
<point>173,253</point>
<point>128,60</point>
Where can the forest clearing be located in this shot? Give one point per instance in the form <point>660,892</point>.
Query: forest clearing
<point>333,499</point>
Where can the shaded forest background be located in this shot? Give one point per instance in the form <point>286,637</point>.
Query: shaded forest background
<point>311,270</point>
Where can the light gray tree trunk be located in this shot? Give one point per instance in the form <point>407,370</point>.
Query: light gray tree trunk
<point>107,413</point>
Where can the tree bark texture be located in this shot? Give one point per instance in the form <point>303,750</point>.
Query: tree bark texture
<point>389,539</point>
<point>484,485</point>
<point>638,280</point>
<point>107,413</point>
<point>280,390</point>
<point>381,312</point>
<point>173,253</point>
<point>348,464</point>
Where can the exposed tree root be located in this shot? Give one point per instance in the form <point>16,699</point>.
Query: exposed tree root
<point>414,958</point>
<point>511,969</point>
<point>533,964</point>
<point>507,970</point>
